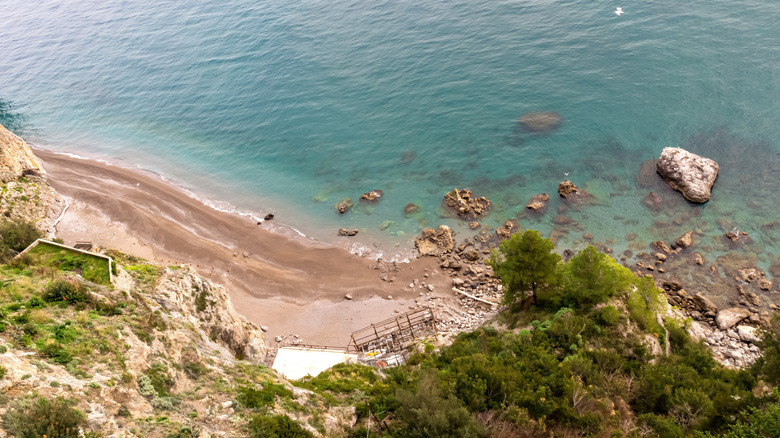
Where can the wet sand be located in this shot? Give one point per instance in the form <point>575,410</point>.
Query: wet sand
<point>291,285</point>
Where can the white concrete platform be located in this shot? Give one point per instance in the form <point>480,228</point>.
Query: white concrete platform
<point>297,362</point>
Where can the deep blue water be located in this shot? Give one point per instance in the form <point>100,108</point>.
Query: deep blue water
<point>290,106</point>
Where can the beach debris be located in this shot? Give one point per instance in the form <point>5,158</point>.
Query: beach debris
<point>411,208</point>
<point>540,122</point>
<point>465,205</point>
<point>343,206</point>
<point>268,217</point>
<point>372,196</point>
<point>435,242</point>
<point>690,174</point>
<point>538,202</point>
<point>619,11</point>
<point>346,232</point>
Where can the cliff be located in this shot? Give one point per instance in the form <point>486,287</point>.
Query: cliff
<point>16,157</point>
<point>24,193</point>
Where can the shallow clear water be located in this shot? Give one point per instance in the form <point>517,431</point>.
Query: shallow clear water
<point>290,106</point>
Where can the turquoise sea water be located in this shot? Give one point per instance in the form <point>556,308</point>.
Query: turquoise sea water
<point>289,106</point>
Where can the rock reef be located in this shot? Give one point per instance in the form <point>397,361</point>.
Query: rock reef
<point>690,174</point>
<point>464,205</point>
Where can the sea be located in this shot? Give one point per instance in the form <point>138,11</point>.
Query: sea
<point>288,107</point>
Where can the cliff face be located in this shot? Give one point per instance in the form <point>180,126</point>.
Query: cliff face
<point>24,193</point>
<point>16,157</point>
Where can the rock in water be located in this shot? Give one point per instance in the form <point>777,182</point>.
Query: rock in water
<point>566,188</point>
<point>465,205</point>
<point>372,196</point>
<point>688,173</point>
<point>343,206</point>
<point>540,122</point>
<point>16,157</point>
<point>435,242</point>
<point>538,202</point>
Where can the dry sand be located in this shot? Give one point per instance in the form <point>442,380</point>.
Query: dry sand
<point>293,286</point>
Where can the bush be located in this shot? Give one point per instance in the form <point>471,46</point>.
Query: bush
<point>608,316</point>
<point>63,291</point>
<point>278,426</point>
<point>426,413</point>
<point>15,236</point>
<point>254,399</point>
<point>36,303</point>
<point>37,417</point>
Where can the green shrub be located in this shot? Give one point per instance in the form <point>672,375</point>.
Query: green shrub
<point>278,426</point>
<point>608,316</point>
<point>36,303</point>
<point>428,414</point>
<point>15,236</point>
<point>37,417</point>
<point>3,370</point>
<point>254,399</point>
<point>63,291</point>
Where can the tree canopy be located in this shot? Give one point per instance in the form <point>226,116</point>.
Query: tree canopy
<point>525,262</point>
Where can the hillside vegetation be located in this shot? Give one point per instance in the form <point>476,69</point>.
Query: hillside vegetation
<point>582,348</point>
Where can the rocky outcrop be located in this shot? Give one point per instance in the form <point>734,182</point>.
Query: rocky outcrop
<point>505,231</point>
<point>187,297</point>
<point>465,206</point>
<point>728,318</point>
<point>372,196</point>
<point>685,240</point>
<point>540,122</point>
<point>688,173</point>
<point>16,157</point>
<point>435,242</point>
<point>566,188</point>
<point>538,202</point>
<point>347,232</point>
<point>26,194</point>
<point>343,206</point>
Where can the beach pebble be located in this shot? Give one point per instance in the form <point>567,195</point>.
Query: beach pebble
<point>348,296</point>
<point>264,328</point>
<point>278,339</point>
<point>389,297</point>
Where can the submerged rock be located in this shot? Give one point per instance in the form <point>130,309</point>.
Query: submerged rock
<point>343,206</point>
<point>346,232</point>
<point>688,173</point>
<point>540,122</point>
<point>464,205</point>
<point>653,202</point>
<point>411,208</point>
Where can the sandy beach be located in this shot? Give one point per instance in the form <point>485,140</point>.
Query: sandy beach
<point>291,285</point>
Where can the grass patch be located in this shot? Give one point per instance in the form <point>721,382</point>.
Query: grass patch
<point>92,268</point>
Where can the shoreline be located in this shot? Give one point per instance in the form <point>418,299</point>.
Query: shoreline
<point>291,285</point>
